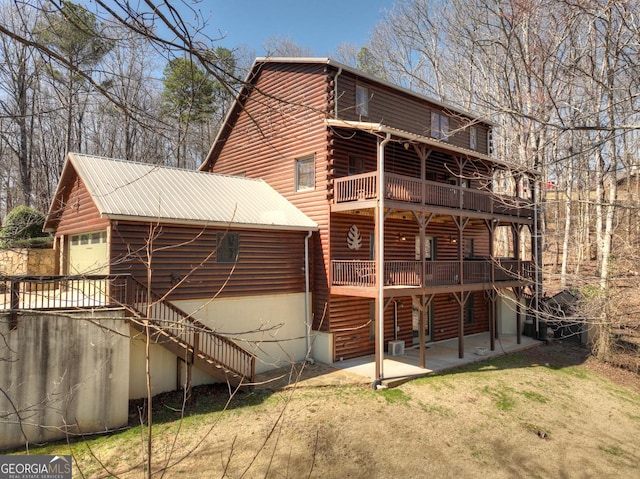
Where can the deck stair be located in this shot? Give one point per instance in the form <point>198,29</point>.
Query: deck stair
<point>188,338</point>
<point>169,326</point>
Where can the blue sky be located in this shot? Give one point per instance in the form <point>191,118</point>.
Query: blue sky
<point>317,25</point>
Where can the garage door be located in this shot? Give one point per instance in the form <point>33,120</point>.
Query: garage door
<point>88,253</point>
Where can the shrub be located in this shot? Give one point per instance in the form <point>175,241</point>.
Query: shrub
<point>23,227</point>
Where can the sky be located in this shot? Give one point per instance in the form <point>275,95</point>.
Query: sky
<point>319,25</point>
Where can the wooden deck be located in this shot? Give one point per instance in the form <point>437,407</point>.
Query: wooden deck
<point>169,326</point>
<point>358,191</point>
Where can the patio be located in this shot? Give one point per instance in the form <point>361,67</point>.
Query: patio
<point>440,356</point>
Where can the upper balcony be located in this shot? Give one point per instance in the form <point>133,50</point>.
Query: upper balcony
<point>413,192</point>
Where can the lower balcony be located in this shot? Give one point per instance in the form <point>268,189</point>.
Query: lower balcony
<point>418,274</point>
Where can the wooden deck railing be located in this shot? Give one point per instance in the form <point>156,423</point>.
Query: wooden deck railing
<point>201,340</point>
<point>89,292</point>
<point>361,273</point>
<point>413,190</point>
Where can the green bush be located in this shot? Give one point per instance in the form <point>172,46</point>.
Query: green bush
<point>23,227</point>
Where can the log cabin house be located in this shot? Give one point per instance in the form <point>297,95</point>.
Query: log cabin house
<point>335,213</point>
<point>423,236</point>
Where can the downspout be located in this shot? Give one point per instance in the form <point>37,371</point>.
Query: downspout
<point>307,298</point>
<point>379,374</point>
<point>335,93</point>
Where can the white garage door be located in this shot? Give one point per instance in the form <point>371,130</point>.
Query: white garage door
<point>88,253</point>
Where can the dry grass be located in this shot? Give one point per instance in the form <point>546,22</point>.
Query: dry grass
<point>549,412</point>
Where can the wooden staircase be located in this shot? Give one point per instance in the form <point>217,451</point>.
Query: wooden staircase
<point>187,338</point>
<point>168,325</point>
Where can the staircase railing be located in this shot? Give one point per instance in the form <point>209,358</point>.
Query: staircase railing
<point>178,330</point>
<point>198,339</point>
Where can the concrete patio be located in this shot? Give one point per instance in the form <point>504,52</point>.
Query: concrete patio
<point>439,356</point>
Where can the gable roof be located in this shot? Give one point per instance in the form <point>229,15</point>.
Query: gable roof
<point>141,191</point>
<point>254,73</point>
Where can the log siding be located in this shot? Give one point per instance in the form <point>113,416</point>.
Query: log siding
<point>269,262</point>
<point>281,117</point>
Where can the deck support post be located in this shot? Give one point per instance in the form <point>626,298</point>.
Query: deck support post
<point>379,235</point>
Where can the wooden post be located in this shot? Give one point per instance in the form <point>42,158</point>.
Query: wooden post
<point>460,326</point>
<point>15,304</point>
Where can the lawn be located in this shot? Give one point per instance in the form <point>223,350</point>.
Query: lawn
<point>548,412</point>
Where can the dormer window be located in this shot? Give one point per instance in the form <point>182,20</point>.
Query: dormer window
<point>362,101</point>
<point>439,126</point>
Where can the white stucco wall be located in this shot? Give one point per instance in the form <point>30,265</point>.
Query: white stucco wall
<point>63,372</point>
<point>322,347</point>
<point>271,326</point>
<point>507,320</point>
<point>165,367</point>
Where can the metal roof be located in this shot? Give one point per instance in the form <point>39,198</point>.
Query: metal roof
<point>129,190</point>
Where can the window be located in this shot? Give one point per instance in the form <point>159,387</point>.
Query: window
<point>228,247</point>
<point>467,248</point>
<point>362,100</point>
<point>356,165</point>
<point>427,316</point>
<point>429,248</point>
<point>473,138</point>
<point>468,309</point>
<point>305,174</point>
<point>439,126</point>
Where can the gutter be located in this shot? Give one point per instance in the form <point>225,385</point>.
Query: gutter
<point>307,298</point>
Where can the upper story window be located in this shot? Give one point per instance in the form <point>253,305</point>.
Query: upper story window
<point>473,138</point>
<point>305,174</point>
<point>439,126</point>
<point>227,247</point>
<point>362,100</point>
<point>356,165</point>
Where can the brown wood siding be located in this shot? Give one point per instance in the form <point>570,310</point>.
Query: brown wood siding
<point>269,134</point>
<point>352,326</point>
<point>78,212</point>
<point>441,228</point>
<point>351,321</point>
<point>269,262</point>
<point>446,314</point>
<point>403,111</point>
<point>340,225</point>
